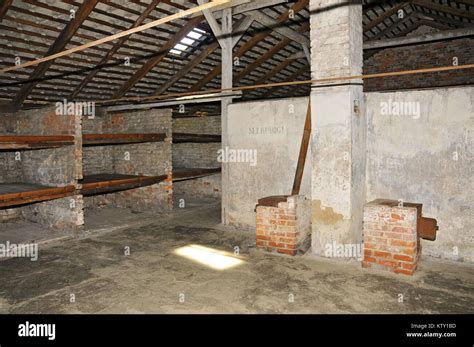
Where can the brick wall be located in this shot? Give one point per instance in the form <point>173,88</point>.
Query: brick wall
<point>98,160</point>
<point>198,125</point>
<point>10,169</point>
<point>198,155</point>
<point>285,229</point>
<point>417,57</point>
<point>390,238</point>
<point>208,187</point>
<point>148,159</point>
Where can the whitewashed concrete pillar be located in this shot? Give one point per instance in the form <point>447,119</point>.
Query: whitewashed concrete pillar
<point>338,123</point>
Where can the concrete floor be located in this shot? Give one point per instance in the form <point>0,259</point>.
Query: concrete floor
<point>153,279</point>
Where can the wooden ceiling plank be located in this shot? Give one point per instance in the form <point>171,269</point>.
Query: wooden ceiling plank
<point>297,7</point>
<point>4,6</point>
<point>384,16</point>
<point>151,7</point>
<point>151,63</point>
<point>269,54</point>
<point>63,39</point>
<point>443,8</point>
<point>240,26</point>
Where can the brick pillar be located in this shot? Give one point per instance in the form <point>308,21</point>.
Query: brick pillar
<point>285,228</point>
<point>338,123</point>
<point>390,237</point>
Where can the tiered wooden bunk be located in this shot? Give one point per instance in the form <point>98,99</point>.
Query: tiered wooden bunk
<point>21,193</point>
<point>110,182</point>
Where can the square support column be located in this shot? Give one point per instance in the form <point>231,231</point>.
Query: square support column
<point>338,123</point>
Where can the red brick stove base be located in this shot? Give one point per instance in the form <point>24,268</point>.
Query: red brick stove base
<point>390,237</point>
<point>285,228</point>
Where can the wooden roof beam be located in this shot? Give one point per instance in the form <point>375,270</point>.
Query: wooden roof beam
<point>384,16</point>
<point>443,8</point>
<point>63,39</point>
<point>150,8</point>
<point>242,26</point>
<point>297,7</point>
<point>292,77</point>
<point>4,6</point>
<point>151,63</point>
<point>269,54</point>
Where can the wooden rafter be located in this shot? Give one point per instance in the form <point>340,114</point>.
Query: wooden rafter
<point>191,65</point>
<point>151,63</point>
<point>300,5</point>
<point>384,16</point>
<point>443,19</point>
<point>206,52</point>
<point>398,24</point>
<point>292,77</point>
<point>150,8</point>
<point>4,6</point>
<point>442,8</point>
<point>434,24</point>
<point>63,39</point>
<point>269,54</point>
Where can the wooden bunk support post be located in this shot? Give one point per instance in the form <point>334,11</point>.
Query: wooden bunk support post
<point>303,152</point>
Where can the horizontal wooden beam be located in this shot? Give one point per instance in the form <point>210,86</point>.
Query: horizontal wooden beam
<point>150,8</point>
<point>119,35</point>
<point>196,138</point>
<point>247,6</point>
<point>59,44</point>
<point>403,41</point>
<point>152,62</point>
<point>297,7</point>
<point>276,26</point>
<point>188,174</point>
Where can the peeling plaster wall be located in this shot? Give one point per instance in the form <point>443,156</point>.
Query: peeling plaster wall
<point>414,160</point>
<point>274,128</point>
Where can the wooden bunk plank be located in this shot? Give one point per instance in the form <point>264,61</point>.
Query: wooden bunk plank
<point>196,138</point>
<point>182,174</point>
<point>95,184</point>
<point>8,142</point>
<point>111,139</point>
<point>19,193</point>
